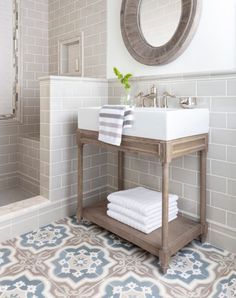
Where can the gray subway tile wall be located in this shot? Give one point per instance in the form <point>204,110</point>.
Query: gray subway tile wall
<point>67,18</point>
<point>44,23</point>
<point>33,64</point>
<point>8,156</point>
<point>218,94</point>
<point>60,100</point>
<point>28,163</point>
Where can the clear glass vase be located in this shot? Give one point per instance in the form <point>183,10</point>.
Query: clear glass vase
<point>126,99</point>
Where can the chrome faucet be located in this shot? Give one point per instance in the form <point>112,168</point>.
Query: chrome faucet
<point>162,102</point>
<point>151,96</point>
<point>184,102</point>
<point>165,97</point>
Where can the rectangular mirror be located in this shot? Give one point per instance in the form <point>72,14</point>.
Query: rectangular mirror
<point>9,54</point>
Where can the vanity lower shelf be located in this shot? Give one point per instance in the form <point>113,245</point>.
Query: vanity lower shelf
<point>181,230</point>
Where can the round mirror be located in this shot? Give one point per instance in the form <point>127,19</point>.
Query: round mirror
<point>159,20</point>
<point>156,32</point>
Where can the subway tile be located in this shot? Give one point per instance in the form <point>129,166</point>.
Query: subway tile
<point>48,217</point>
<point>139,165</point>
<point>99,182</point>
<point>221,229</point>
<point>224,169</point>
<point>188,206</point>
<point>224,104</point>
<point>231,121</point>
<point>223,136</point>
<point>131,175</point>
<point>231,220</point>
<point>149,181</point>
<point>217,152</point>
<point>231,87</point>
<point>176,188</point>
<point>216,183</point>
<point>211,88</point>
<point>232,187</point>
<point>5,232</point>
<point>223,201</point>
<point>216,215</point>
<point>218,120</point>
<point>192,192</point>
<point>91,173</point>
<point>186,88</point>
<point>184,176</point>
<point>192,163</point>
<point>27,224</point>
<point>177,162</point>
<point>222,239</point>
<point>155,169</point>
<point>99,159</point>
<point>231,154</point>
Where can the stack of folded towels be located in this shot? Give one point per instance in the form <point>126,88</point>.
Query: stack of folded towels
<point>140,208</point>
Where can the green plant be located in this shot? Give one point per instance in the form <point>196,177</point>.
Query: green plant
<point>124,79</point>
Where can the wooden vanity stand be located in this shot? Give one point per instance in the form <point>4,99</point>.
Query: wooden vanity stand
<point>171,237</point>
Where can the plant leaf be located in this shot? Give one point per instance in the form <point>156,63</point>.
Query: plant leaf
<point>127,86</point>
<point>129,75</point>
<point>124,79</point>
<point>117,73</point>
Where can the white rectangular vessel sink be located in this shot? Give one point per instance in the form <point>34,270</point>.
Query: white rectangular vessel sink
<point>155,123</point>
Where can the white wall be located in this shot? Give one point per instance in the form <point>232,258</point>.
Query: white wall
<point>212,49</point>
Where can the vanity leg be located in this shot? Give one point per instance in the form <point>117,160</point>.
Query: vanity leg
<point>120,170</point>
<point>164,253</point>
<point>203,195</point>
<point>80,183</point>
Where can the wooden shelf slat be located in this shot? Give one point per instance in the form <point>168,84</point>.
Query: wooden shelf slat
<point>180,230</point>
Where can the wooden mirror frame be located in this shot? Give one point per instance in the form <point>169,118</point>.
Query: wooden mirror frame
<point>145,53</point>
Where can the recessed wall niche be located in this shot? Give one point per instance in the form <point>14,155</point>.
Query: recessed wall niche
<point>71,56</point>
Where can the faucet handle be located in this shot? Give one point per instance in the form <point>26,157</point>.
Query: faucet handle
<point>153,89</point>
<point>165,97</point>
<point>188,102</point>
<point>139,99</point>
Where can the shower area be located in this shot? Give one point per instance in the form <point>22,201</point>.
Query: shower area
<point>23,59</point>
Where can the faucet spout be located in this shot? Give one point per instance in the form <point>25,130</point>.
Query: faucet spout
<point>150,96</point>
<point>165,96</point>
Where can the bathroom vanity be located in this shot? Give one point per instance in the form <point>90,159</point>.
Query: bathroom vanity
<point>156,139</point>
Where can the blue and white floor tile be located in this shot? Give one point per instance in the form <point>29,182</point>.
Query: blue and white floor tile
<point>70,260</point>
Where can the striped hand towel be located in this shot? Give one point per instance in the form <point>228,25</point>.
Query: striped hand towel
<point>112,120</point>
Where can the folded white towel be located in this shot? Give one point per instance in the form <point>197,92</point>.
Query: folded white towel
<point>139,199</point>
<point>112,120</point>
<point>137,225</point>
<point>152,217</point>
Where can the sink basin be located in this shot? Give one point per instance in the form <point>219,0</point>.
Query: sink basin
<point>155,123</point>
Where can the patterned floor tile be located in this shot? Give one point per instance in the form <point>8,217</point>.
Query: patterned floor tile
<point>79,268</point>
<point>83,231</point>
<point>191,272</point>
<point>46,238</point>
<point>225,287</point>
<point>118,245</point>
<point>19,276</point>
<point>67,259</point>
<point>207,247</point>
<point>223,258</point>
<point>28,284</point>
<point>7,257</point>
<point>78,265</point>
<point>130,285</point>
